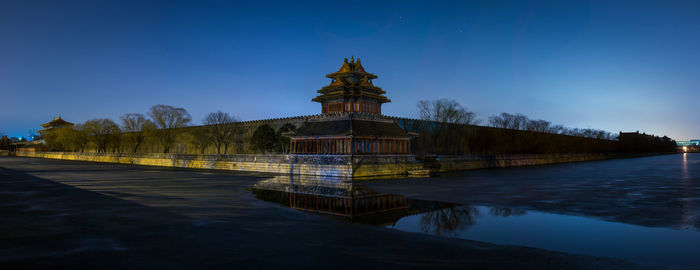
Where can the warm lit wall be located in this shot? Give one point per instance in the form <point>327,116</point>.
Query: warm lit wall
<point>322,165</point>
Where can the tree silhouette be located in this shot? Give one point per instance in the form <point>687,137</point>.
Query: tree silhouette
<point>282,140</point>
<point>221,129</point>
<point>136,126</point>
<point>167,119</point>
<point>264,139</point>
<point>100,132</point>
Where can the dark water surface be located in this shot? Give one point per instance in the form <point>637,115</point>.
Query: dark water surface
<point>644,209</point>
<point>574,234</point>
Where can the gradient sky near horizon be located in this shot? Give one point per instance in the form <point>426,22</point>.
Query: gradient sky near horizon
<point>611,65</point>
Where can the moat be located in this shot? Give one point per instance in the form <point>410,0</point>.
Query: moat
<point>639,213</point>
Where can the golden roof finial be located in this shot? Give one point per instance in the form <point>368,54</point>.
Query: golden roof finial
<point>352,59</point>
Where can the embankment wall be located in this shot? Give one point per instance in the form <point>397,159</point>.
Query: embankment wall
<point>322,165</point>
<point>330,165</point>
<point>459,163</point>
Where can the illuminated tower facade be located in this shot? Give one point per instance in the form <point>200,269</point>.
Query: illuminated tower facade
<point>351,90</point>
<point>351,122</point>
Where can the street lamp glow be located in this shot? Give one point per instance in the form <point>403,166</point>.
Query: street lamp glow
<point>685,149</point>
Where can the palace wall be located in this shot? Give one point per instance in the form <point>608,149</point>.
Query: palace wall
<point>321,165</point>
<point>330,165</point>
<point>471,162</point>
<point>461,140</point>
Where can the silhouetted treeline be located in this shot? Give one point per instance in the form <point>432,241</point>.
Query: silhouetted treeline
<point>166,129</point>
<point>447,128</point>
<point>636,142</point>
<point>480,140</point>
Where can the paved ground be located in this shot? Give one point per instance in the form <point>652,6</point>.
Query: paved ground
<point>62,214</point>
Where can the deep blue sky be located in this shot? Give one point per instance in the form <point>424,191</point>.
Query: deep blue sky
<point>613,65</point>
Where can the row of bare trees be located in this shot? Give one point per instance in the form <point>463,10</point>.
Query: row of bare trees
<point>450,112</point>
<point>162,125</point>
<point>448,128</point>
<point>521,122</point>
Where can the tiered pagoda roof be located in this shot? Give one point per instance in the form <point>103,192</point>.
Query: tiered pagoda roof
<point>352,121</point>
<point>351,82</point>
<point>57,122</point>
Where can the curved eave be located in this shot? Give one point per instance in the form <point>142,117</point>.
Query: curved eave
<point>325,97</point>
<point>331,88</point>
<point>349,74</point>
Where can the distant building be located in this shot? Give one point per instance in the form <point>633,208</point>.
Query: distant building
<point>56,123</point>
<point>688,143</point>
<point>351,121</point>
<point>37,145</point>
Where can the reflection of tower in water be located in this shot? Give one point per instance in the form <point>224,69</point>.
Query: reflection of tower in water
<point>341,197</point>
<point>348,199</point>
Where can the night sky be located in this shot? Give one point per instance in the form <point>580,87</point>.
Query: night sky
<point>609,65</point>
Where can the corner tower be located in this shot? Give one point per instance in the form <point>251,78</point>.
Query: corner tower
<point>351,90</point>
<point>351,122</point>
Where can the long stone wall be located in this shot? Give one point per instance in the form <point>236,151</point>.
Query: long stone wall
<point>459,163</point>
<point>329,165</point>
<point>322,165</point>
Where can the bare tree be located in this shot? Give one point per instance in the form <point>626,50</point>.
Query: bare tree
<point>115,141</point>
<point>100,132</point>
<point>509,121</point>
<point>446,111</point>
<point>136,126</point>
<point>557,129</point>
<point>79,137</point>
<point>200,139</point>
<point>221,129</point>
<point>449,220</point>
<point>167,119</point>
<point>448,126</point>
<point>538,126</point>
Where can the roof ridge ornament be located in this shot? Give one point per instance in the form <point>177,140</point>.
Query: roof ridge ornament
<point>359,68</point>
